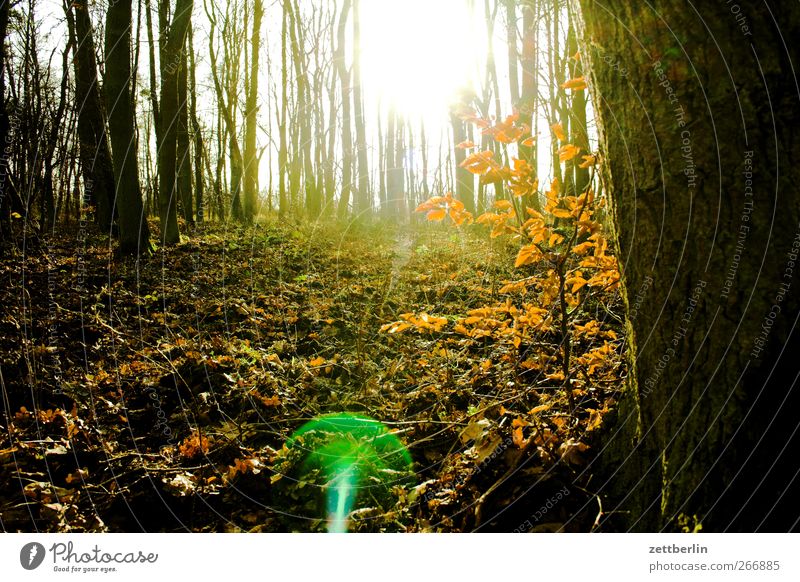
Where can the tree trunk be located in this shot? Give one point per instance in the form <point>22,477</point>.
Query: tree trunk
<point>398,171</point>
<point>296,35</point>
<point>579,134</point>
<point>700,147</point>
<point>167,151</point>
<point>347,137</point>
<point>513,55</point>
<point>96,166</point>
<point>363,205</point>
<point>465,182</point>
<point>134,234</point>
<point>50,212</point>
<point>283,147</point>
<point>251,122</point>
<point>199,185</point>
<point>151,56</point>
<point>182,143</point>
<point>5,123</point>
<point>529,95</point>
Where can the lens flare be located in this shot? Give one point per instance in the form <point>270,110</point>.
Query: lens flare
<point>350,455</point>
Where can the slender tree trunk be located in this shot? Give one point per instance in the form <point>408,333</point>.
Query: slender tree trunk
<point>50,208</point>
<point>330,166</point>
<point>391,181</point>
<point>465,182</point>
<point>530,89</point>
<point>183,150</point>
<point>347,137</point>
<point>283,147</point>
<point>358,108</point>
<point>251,121</point>
<point>5,122</point>
<point>151,54</point>
<point>382,165</point>
<point>398,170</point>
<point>199,183</point>
<point>579,134</point>
<point>513,54</point>
<point>424,147</point>
<point>313,202</point>
<point>134,234</point>
<point>705,204</point>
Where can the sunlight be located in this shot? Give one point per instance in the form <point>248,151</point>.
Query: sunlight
<point>417,54</point>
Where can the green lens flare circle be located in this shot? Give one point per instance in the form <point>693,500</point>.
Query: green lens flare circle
<point>355,460</point>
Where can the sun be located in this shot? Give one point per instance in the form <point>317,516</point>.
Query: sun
<point>417,54</point>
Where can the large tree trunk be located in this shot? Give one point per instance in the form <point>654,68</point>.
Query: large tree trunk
<point>167,150</point>
<point>96,166</point>
<point>134,234</point>
<point>699,138</point>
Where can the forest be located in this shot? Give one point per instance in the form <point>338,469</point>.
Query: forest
<point>369,266</point>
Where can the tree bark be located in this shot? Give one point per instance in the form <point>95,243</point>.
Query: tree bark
<point>347,137</point>
<point>197,134</point>
<point>465,182</point>
<point>134,234</point>
<point>579,133</point>
<point>363,205</point>
<point>313,201</point>
<point>96,165</point>
<point>513,54</point>
<point>527,105</point>
<point>169,109</point>
<point>700,146</point>
<point>283,147</point>
<point>183,153</point>
<point>251,121</point>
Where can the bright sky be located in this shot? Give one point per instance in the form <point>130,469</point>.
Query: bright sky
<point>417,53</point>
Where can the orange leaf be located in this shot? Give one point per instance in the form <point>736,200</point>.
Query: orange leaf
<point>528,143</point>
<point>540,408</point>
<point>437,214</point>
<point>567,152</point>
<point>558,131</point>
<point>480,162</point>
<point>527,255</point>
<point>465,145</point>
<point>576,84</point>
<point>271,401</point>
<point>517,438</point>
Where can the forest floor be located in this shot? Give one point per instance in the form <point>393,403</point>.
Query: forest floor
<point>159,395</point>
